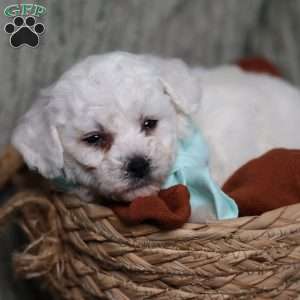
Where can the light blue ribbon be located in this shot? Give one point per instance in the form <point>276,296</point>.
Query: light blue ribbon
<point>191,169</point>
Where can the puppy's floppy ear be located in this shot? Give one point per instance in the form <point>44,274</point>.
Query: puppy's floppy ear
<point>37,139</point>
<point>180,83</point>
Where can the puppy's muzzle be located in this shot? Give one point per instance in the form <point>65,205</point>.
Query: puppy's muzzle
<point>138,167</point>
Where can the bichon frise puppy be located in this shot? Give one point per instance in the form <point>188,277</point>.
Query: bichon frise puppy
<point>111,124</point>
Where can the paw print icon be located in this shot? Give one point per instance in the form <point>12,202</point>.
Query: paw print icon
<point>24,31</point>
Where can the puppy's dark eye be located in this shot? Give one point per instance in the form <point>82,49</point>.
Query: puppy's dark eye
<point>94,139</point>
<point>149,125</point>
<point>103,140</point>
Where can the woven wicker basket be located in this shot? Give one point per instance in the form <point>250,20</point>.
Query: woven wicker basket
<point>82,251</point>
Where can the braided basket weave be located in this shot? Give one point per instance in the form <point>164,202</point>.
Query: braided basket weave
<point>81,251</point>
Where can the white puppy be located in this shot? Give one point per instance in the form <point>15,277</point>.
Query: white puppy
<point>112,122</point>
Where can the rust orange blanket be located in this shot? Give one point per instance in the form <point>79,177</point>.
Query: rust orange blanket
<point>267,182</point>
<point>169,209</point>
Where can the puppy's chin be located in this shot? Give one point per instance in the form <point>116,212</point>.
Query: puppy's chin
<point>144,191</point>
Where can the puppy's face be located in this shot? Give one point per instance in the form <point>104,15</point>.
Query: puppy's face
<point>108,124</point>
<point>121,142</point>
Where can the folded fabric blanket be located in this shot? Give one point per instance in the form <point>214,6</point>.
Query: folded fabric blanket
<point>267,182</point>
<point>258,65</point>
<point>170,209</point>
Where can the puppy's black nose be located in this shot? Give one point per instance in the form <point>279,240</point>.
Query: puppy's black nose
<point>138,167</point>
